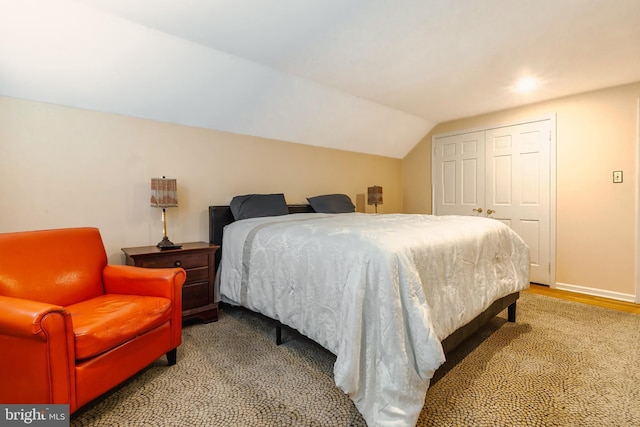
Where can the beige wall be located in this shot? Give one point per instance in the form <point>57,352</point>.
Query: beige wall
<point>597,133</point>
<point>64,167</point>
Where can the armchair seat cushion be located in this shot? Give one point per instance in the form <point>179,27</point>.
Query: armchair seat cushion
<point>107,321</point>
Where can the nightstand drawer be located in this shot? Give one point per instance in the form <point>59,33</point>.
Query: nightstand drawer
<point>184,260</point>
<point>193,294</point>
<point>197,274</point>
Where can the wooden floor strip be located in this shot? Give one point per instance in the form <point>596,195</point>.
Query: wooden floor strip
<point>586,299</point>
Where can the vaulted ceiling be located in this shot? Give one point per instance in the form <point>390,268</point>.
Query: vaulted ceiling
<point>371,76</point>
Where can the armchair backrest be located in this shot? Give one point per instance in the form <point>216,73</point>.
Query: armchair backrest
<point>61,266</point>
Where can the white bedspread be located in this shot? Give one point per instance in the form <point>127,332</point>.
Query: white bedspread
<point>378,291</point>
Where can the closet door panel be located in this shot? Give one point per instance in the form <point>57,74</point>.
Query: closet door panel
<point>518,169</point>
<point>459,164</point>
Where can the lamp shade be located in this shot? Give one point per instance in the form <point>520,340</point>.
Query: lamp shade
<point>374,195</point>
<point>164,193</point>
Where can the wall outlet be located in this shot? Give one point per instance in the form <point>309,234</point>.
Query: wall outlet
<point>617,176</point>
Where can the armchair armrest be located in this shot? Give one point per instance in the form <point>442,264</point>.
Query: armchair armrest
<point>23,318</point>
<point>37,360</point>
<point>158,282</point>
<point>130,280</point>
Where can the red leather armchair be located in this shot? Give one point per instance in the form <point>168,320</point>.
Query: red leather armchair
<point>72,326</point>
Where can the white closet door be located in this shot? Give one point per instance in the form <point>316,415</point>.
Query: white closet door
<point>517,187</point>
<point>460,170</point>
<point>503,173</point>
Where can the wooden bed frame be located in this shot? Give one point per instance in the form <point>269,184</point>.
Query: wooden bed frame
<point>221,215</point>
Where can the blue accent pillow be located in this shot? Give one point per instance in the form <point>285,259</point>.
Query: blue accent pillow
<point>258,205</point>
<point>332,203</point>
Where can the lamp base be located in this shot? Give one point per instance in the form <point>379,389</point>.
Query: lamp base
<point>165,243</point>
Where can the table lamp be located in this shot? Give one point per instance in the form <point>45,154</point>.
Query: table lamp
<point>164,194</point>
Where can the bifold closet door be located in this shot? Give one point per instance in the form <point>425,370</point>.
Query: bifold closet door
<point>517,187</point>
<point>459,174</point>
<point>501,173</point>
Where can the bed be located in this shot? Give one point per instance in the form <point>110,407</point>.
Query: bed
<point>388,294</point>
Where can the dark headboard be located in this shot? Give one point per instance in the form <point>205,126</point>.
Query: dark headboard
<point>219,216</point>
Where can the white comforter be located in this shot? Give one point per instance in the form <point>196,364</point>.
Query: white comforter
<point>378,291</point>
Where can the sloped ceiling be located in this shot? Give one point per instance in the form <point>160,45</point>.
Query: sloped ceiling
<point>371,76</point>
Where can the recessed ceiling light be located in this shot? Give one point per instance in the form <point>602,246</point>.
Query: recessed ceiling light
<point>526,84</point>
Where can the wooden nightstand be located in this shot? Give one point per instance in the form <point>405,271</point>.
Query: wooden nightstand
<point>198,260</point>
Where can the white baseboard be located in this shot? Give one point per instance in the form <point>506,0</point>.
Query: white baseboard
<point>596,292</point>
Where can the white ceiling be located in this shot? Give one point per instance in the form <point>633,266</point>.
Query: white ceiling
<point>370,76</point>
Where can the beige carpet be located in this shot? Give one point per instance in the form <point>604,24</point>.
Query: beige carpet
<point>561,364</point>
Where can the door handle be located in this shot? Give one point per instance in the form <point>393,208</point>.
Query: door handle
<point>490,211</point>
<point>479,210</point>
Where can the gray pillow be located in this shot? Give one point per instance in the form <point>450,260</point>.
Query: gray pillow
<point>332,203</point>
<point>258,205</point>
